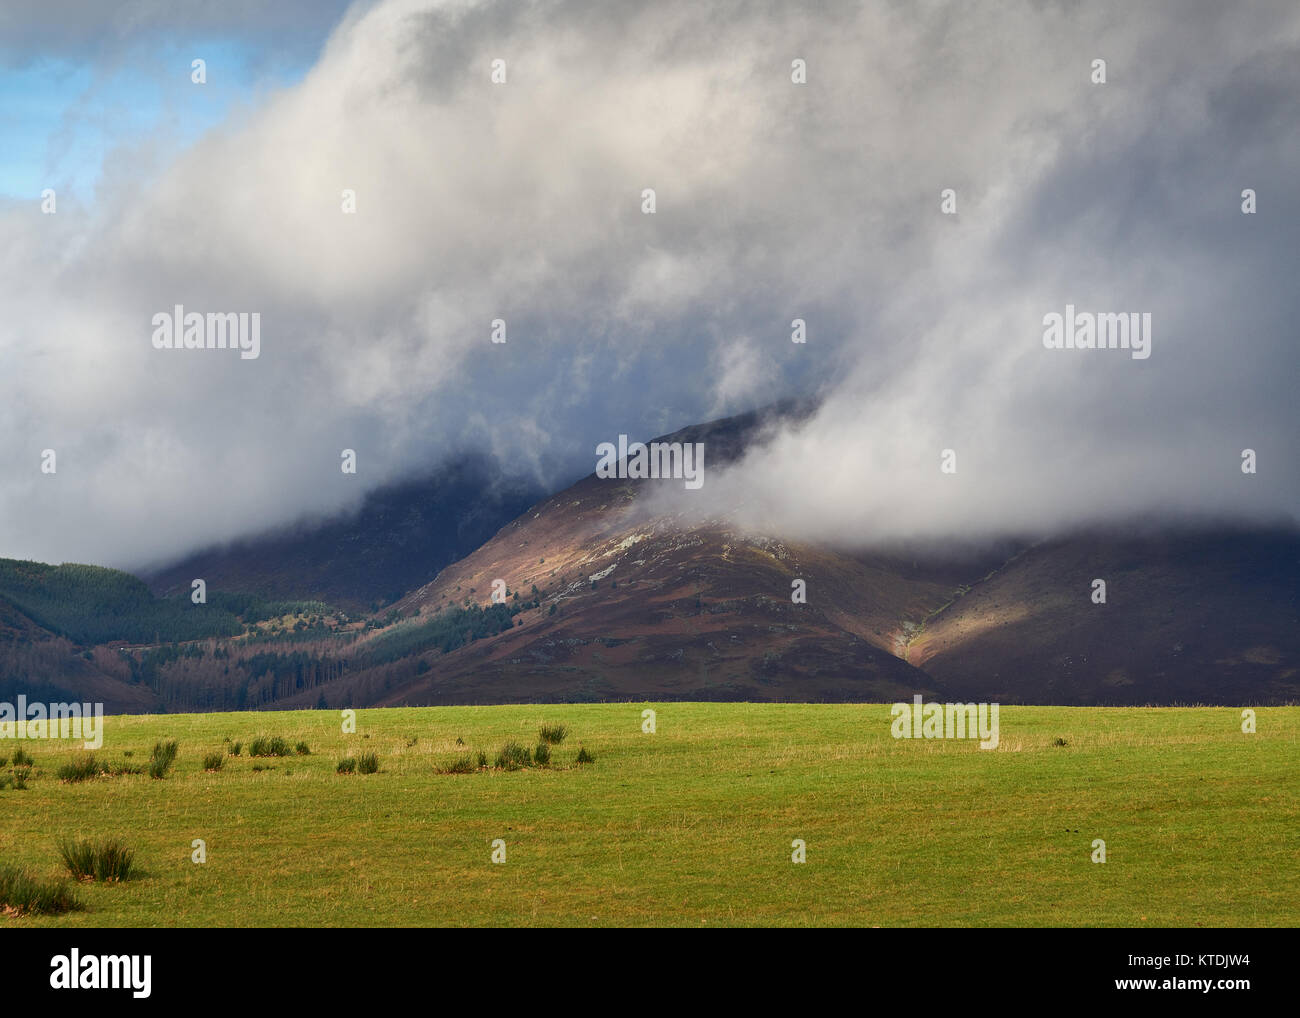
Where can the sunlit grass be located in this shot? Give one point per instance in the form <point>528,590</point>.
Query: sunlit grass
<point>691,825</point>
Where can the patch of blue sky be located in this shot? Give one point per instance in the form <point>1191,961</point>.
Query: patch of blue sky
<point>60,121</point>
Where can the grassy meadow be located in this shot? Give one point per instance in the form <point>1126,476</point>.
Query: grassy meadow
<point>691,825</point>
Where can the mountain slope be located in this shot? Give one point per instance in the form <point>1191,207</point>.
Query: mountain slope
<point>1193,616</point>
<point>402,534</point>
<point>612,597</point>
<point>46,667</point>
<point>634,605</point>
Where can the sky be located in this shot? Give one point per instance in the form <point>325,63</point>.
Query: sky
<point>523,200</point>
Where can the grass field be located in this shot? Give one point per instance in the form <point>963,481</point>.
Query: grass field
<point>691,825</point>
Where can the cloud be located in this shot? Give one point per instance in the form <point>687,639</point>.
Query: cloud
<point>101,29</point>
<point>522,201</point>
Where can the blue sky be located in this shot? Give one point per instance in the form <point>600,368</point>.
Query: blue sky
<point>60,117</point>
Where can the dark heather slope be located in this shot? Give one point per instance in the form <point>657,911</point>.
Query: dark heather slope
<point>635,605</point>
<point>401,535</point>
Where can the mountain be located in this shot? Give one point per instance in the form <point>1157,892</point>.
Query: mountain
<point>91,604</point>
<point>610,596</point>
<point>46,667</point>
<point>400,536</point>
<point>1191,616</point>
<point>266,629</point>
<point>79,632</point>
<point>636,605</point>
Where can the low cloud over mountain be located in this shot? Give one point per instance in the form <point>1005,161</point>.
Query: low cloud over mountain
<point>774,201</point>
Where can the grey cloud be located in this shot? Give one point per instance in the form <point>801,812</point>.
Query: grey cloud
<point>776,201</point>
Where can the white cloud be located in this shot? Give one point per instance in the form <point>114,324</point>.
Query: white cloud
<point>776,201</point>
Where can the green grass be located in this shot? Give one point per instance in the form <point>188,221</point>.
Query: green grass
<point>82,767</point>
<point>513,756</point>
<point>270,746</point>
<point>162,758</point>
<point>553,734</point>
<point>23,894</point>
<point>692,825</point>
<point>108,860</point>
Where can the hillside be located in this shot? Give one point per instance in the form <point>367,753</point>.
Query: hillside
<point>400,536</point>
<point>608,597</point>
<point>46,667</point>
<point>631,604</point>
<point>90,604</point>
<point>88,633</point>
<point>1208,616</point>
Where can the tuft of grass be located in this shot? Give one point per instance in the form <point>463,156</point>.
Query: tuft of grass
<point>368,763</point>
<point>83,767</point>
<point>348,765</point>
<point>482,758</point>
<point>4,761</point>
<point>542,754</point>
<point>257,768</point>
<point>108,861</point>
<point>162,758</point>
<point>213,761</point>
<point>553,734</point>
<point>301,749</point>
<point>1058,741</point>
<point>512,756</point>
<point>584,757</point>
<point>236,748</point>
<point>463,765</point>
<point>165,751</point>
<point>22,894</point>
<point>22,758</point>
<point>269,746</point>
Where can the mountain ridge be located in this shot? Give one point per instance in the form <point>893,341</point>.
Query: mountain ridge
<point>610,594</point>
